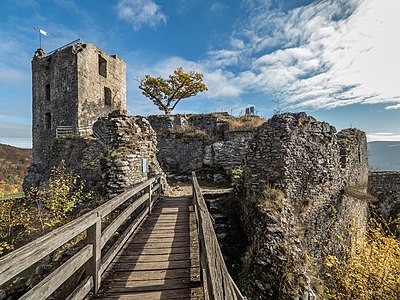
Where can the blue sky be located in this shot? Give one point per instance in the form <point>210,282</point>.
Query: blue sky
<point>337,60</point>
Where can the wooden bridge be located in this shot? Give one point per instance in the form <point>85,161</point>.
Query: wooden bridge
<point>167,250</point>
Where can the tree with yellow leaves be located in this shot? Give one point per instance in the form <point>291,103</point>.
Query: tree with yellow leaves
<point>167,93</point>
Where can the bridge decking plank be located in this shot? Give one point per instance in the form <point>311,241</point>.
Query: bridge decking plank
<point>185,293</point>
<point>157,257</point>
<point>125,276</point>
<point>160,251</point>
<point>161,260</point>
<point>163,234</point>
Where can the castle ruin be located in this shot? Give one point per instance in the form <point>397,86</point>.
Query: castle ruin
<point>71,88</point>
<point>79,115</point>
<point>80,119</point>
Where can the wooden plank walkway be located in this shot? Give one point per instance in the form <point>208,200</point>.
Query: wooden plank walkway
<point>159,261</point>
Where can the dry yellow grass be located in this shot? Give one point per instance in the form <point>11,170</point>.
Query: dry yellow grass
<point>245,123</point>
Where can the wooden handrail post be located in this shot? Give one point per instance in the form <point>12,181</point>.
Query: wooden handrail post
<point>193,191</point>
<point>93,267</point>
<point>159,188</point>
<point>149,200</point>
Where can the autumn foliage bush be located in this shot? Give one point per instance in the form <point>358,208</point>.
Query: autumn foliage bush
<point>14,217</point>
<point>55,200</point>
<point>44,208</point>
<point>371,270</point>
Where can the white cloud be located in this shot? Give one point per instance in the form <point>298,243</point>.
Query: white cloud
<point>218,8</point>
<point>220,83</point>
<point>396,106</point>
<point>237,43</point>
<point>323,55</point>
<point>383,136</point>
<point>222,58</point>
<point>141,12</point>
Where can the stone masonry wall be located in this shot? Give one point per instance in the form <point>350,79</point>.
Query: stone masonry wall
<point>131,143</point>
<point>91,85</point>
<point>199,143</point>
<point>296,154</point>
<point>322,175</point>
<point>386,187</point>
<point>54,87</point>
<point>68,90</point>
<point>109,163</point>
<point>305,158</point>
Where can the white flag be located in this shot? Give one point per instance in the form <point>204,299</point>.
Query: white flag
<point>43,32</point>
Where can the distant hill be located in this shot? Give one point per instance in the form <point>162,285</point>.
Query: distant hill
<point>14,163</point>
<point>384,156</point>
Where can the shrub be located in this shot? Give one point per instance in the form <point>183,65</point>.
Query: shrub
<point>23,219</point>
<point>14,216</point>
<point>372,269</point>
<point>58,197</point>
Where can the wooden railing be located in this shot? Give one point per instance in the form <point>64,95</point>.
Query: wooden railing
<point>62,131</point>
<point>217,283</point>
<point>66,131</point>
<point>90,255</point>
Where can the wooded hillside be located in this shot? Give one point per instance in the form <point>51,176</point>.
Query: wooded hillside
<point>14,163</point>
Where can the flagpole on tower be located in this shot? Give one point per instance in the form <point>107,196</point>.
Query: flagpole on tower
<point>41,32</point>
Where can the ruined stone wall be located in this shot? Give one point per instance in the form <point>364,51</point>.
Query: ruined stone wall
<point>54,98</point>
<point>91,85</point>
<point>81,156</point>
<point>322,175</point>
<point>109,163</point>
<point>131,143</point>
<point>296,154</point>
<point>353,156</point>
<point>305,158</point>
<point>199,143</point>
<point>215,125</point>
<point>385,186</point>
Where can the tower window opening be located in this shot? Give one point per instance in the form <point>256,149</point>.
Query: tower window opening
<point>48,63</point>
<point>107,96</point>
<point>102,66</point>
<point>48,93</point>
<point>47,120</point>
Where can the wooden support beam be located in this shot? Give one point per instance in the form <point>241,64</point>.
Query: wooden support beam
<point>93,267</point>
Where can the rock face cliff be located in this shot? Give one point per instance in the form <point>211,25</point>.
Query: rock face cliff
<point>306,190</point>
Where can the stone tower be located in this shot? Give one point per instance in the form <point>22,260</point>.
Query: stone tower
<point>71,88</point>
